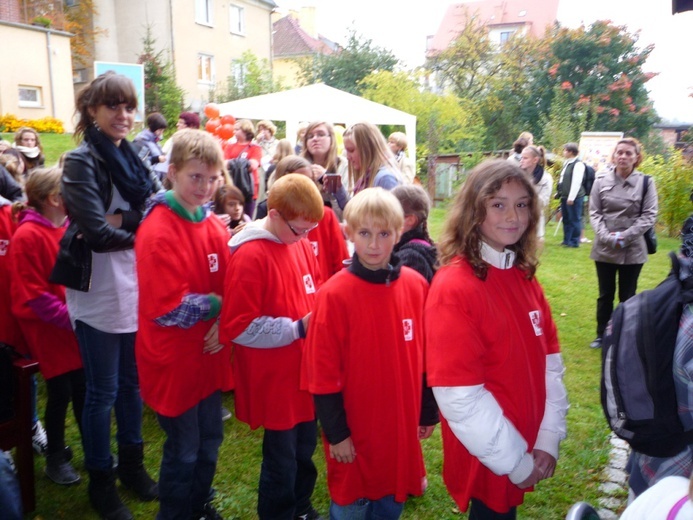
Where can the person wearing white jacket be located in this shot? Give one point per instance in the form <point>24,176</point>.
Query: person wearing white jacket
<point>493,358</point>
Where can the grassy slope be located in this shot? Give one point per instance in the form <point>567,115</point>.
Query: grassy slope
<point>570,283</point>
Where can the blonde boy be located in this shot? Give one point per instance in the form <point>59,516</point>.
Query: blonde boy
<point>363,363</point>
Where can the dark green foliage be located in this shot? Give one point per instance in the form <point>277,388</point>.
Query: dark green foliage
<point>161,92</point>
<point>346,68</point>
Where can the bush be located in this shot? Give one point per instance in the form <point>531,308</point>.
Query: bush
<point>673,176</point>
<point>9,123</point>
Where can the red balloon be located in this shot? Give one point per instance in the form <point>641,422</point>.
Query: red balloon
<point>212,125</point>
<point>228,120</point>
<point>212,110</point>
<point>225,131</point>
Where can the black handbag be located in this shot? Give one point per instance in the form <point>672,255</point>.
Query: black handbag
<point>650,236</point>
<point>72,266</point>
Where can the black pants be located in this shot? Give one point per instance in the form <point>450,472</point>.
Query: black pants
<point>627,285</point>
<point>60,391</point>
<point>287,475</point>
<point>480,511</point>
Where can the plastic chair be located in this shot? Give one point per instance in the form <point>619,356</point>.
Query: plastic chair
<point>15,428</point>
<point>582,511</point>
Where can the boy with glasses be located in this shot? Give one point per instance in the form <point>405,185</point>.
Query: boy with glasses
<point>269,291</point>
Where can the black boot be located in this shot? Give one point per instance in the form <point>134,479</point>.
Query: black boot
<point>104,498</point>
<point>132,473</point>
<point>59,469</point>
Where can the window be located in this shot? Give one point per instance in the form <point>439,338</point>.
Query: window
<point>237,19</point>
<point>238,73</point>
<point>205,69</point>
<point>203,12</point>
<point>71,3</point>
<point>80,76</point>
<point>30,97</point>
<point>505,36</point>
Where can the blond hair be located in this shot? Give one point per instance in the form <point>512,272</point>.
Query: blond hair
<point>189,144</point>
<point>377,205</point>
<point>373,152</point>
<point>41,184</point>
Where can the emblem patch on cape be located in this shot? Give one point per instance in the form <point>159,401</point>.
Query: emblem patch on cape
<point>535,318</point>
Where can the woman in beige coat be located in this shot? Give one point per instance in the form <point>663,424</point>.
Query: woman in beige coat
<point>620,216</point>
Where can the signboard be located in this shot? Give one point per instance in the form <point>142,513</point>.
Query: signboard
<point>134,71</point>
<point>596,148</point>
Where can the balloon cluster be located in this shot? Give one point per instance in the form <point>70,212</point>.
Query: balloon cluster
<point>222,126</point>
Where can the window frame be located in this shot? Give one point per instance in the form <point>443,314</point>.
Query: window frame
<point>212,70</point>
<point>239,18</point>
<point>30,104</point>
<point>207,17</point>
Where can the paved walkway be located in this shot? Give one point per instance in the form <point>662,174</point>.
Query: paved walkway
<point>614,480</point>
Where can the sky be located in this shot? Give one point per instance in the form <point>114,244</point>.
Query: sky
<point>403,30</point>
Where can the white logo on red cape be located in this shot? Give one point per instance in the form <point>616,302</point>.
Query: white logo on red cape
<point>308,284</point>
<point>535,318</point>
<point>213,262</point>
<point>4,244</point>
<point>314,245</point>
<point>408,326</point>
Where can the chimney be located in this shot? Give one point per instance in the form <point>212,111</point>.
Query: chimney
<point>306,19</point>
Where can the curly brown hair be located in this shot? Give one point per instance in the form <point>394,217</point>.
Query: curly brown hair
<point>462,229</point>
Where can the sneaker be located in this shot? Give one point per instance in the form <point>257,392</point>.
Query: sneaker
<point>208,512</point>
<point>225,413</point>
<point>597,343</point>
<point>585,240</point>
<point>38,438</point>
<point>60,471</point>
<point>312,514</point>
<point>10,460</point>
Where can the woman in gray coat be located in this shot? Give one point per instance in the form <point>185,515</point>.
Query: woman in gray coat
<point>620,216</point>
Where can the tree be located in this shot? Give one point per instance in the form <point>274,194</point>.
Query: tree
<point>469,63</point>
<point>251,77</point>
<point>600,70</point>
<point>76,19</point>
<point>444,123</point>
<point>161,92</point>
<point>559,127</point>
<point>347,67</point>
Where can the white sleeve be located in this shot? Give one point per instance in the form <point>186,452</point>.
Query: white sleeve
<point>477,420</point>
<point>268,332</point>
<point>578,174</point>
<point>553,426</point>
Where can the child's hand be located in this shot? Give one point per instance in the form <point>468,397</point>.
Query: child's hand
<point>212,345</point>
<point>225,219</point>
<point>306,321</point>
<point>533,478</point>
<point>343,451</point>
<point>426,431</point>
<point>545,462</point>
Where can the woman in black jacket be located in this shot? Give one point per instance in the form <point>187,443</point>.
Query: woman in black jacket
<point>105,186</point>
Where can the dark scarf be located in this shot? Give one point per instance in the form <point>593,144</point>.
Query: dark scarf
<point>130,175</point>
<point>381,275</point>
<point>538,173</point>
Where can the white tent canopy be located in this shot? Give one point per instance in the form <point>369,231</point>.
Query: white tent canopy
<point>320,103</point>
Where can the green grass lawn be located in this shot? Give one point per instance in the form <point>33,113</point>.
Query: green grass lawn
<point>53,145</point>
<point>569,279</point>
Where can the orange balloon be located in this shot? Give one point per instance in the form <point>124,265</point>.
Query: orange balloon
<point>228,120</point>
<point>212,110</point>
<point>225,131</point>
<point>212,125</point>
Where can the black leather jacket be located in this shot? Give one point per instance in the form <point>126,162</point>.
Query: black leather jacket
<point>87,190</point>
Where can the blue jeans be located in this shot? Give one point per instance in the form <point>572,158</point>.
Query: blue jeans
<point>572,221</point>
<point>480,511</point>
<point>10,495</point>
<point>111,379</point>
<point>190,458</point>
<point>385,508</point>
<point>287,475</point>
